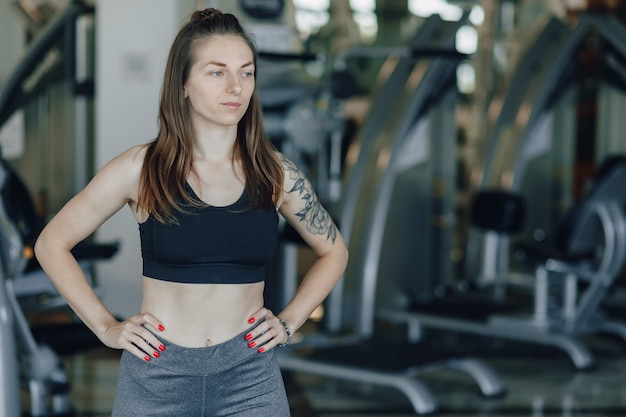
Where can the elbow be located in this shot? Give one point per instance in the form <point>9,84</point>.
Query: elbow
<point>344,255</point>
<point>39,247</point>
<point>42,247</point>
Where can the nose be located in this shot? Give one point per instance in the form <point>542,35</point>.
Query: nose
<point>234,86</point>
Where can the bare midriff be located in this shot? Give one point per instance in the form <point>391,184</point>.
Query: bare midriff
<point>199,315</point>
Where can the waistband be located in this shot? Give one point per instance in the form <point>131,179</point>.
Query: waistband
<point>207,360</point>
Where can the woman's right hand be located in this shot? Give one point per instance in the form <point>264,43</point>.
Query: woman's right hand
<point>133,335</point>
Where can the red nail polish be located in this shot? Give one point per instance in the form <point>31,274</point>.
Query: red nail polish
<point>161,328</point>
<point>261,350</point>
<point>156,354</point>
<point>161,348</point>
<point>146,358</point>
<point>248,336</point>
<point>251,320</point>
<point>251,344</point>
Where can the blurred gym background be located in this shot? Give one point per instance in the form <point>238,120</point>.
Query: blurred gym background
<point>471,152</point>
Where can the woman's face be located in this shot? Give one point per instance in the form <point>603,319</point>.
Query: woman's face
<point>221,81</point>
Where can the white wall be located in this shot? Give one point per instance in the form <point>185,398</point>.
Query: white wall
<point>132,43</point>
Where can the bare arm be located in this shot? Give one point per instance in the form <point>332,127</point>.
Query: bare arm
<point>113,187</point>
<point>302,209</point>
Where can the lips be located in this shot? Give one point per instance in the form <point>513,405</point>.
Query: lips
<point>232,105</point>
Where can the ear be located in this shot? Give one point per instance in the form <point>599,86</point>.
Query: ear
<point>185,94</point>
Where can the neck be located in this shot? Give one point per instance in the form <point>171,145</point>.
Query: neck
<point>215,146</point>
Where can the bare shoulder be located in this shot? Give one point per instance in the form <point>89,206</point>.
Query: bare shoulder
<point>121,173</point>
<point>301,207</point>
<point>294,178</point>
<point>131,158</point>
<point>284,161</point>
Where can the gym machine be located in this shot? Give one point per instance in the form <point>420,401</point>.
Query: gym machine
<point>420,89</point>
<point>33,349</point>
<point>11,263</point>
<point>52,90</point>
<point>56,66</point>
<point>532,139</point>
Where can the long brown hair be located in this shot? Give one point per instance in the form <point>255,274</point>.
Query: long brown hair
<point>168,159</point>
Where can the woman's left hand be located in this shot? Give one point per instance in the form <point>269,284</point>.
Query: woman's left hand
<point>268,334</point>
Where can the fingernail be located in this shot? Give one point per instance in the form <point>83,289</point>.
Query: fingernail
<point>161,348</point>
<point>251,344</point>
<point>248,336</point>
<point>261,350</point>
<point>161,328</point>
<point>146,358</point>
<point>156,354</point>
<point>251,320</point>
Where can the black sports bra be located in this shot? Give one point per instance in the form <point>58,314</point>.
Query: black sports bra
<point>211,245</point>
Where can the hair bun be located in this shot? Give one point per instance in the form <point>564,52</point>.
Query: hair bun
<point>200,15</point>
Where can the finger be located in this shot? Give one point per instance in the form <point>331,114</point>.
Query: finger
<point>259,335</point>
<point>135,335</point>
<point>151,348</point>
<point>262,317</point>
<point>267,346</point>
<point>147,324</point>
<point>261,314</point>
<point>134,350</point>
<point>266,336</point>
<point>152,322</point>
<point>151,343</point>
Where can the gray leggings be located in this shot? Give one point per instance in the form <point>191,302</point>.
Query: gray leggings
<point>228,379</point>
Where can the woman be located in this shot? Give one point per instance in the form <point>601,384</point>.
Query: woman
<point>205,194</point>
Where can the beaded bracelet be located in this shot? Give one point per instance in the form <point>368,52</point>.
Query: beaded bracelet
<point>287,330</point>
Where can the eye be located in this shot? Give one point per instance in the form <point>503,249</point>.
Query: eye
<point>216,73</point>
<point>248,74</point>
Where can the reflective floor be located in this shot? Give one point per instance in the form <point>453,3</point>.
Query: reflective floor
<point>538,381</point>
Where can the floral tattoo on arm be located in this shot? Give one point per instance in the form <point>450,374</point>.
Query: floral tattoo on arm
<point>315,217</point>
